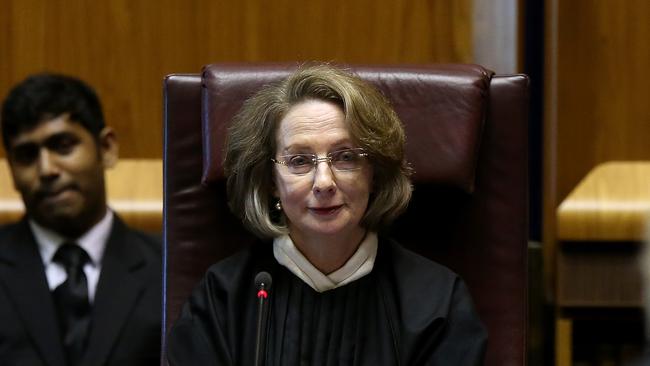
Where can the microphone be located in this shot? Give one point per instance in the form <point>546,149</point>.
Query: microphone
<point>263,283</point>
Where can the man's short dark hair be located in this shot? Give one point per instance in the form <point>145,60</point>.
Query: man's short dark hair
<point>46,96</point>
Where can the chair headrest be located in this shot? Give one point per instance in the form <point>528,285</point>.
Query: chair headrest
<point>442,107</point>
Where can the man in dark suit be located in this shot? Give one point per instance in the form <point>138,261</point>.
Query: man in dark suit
<point>77,286</point>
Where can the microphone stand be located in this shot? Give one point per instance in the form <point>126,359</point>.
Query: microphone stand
<point>263,282</point>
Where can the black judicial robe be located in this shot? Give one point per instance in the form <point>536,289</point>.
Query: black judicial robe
<point>407,311</point>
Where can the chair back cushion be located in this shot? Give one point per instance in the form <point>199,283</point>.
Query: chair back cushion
<point>442,108</point>
<point>467,142</point>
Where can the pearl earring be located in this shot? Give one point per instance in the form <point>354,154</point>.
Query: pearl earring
<point>278,206</point>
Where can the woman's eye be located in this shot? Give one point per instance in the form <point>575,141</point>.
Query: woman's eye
<point>299,160</point>
<point>344,156</point>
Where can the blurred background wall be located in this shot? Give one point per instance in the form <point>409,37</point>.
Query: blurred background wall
<point>587,60</point>
<point>124,48</point>
<point>595,109</point>
<point>597,94</point>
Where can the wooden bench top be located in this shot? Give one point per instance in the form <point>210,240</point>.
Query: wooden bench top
<point>612,203</point>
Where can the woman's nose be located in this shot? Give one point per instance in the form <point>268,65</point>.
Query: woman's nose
<point>324,178</point>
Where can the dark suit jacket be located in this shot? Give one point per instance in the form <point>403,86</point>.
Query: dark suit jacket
<point>125,327</point>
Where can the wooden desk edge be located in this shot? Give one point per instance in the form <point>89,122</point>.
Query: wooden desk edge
<point>612,203</point>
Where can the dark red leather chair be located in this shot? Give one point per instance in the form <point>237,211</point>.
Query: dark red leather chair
<point>466,139</point>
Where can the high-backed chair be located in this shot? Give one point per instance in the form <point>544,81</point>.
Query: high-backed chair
<point>466,140</point>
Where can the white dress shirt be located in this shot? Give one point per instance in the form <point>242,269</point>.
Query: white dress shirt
<point>359,265</point>
<point>93,242</point>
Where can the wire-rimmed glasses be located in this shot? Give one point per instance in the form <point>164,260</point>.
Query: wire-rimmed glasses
<point>341,160</point>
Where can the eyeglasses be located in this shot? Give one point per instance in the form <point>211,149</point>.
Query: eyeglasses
<point>341,160</point>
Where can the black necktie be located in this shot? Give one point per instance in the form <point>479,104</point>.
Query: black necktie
<point>71,299</point>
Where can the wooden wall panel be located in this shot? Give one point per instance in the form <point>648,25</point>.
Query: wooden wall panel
<point>603,94</point>
<point>597,94</point>
<point>124,48</point>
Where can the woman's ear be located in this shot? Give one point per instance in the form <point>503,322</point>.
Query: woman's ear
<point>108,147</point>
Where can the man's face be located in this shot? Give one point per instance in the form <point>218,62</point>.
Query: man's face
<point>58,168</point>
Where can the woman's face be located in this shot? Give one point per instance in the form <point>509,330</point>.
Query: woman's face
<point>324,201</point>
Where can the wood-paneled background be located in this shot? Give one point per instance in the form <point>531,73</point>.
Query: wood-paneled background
<point>124,48</point>
<point>597,94</point>
<point>597,99</point>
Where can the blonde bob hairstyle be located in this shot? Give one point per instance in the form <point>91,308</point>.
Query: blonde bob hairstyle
<point>372,123</point>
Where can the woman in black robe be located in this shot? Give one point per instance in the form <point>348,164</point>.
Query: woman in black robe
<point>315,168</point>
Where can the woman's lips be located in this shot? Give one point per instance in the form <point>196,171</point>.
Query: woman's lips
<point>324,211</point>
